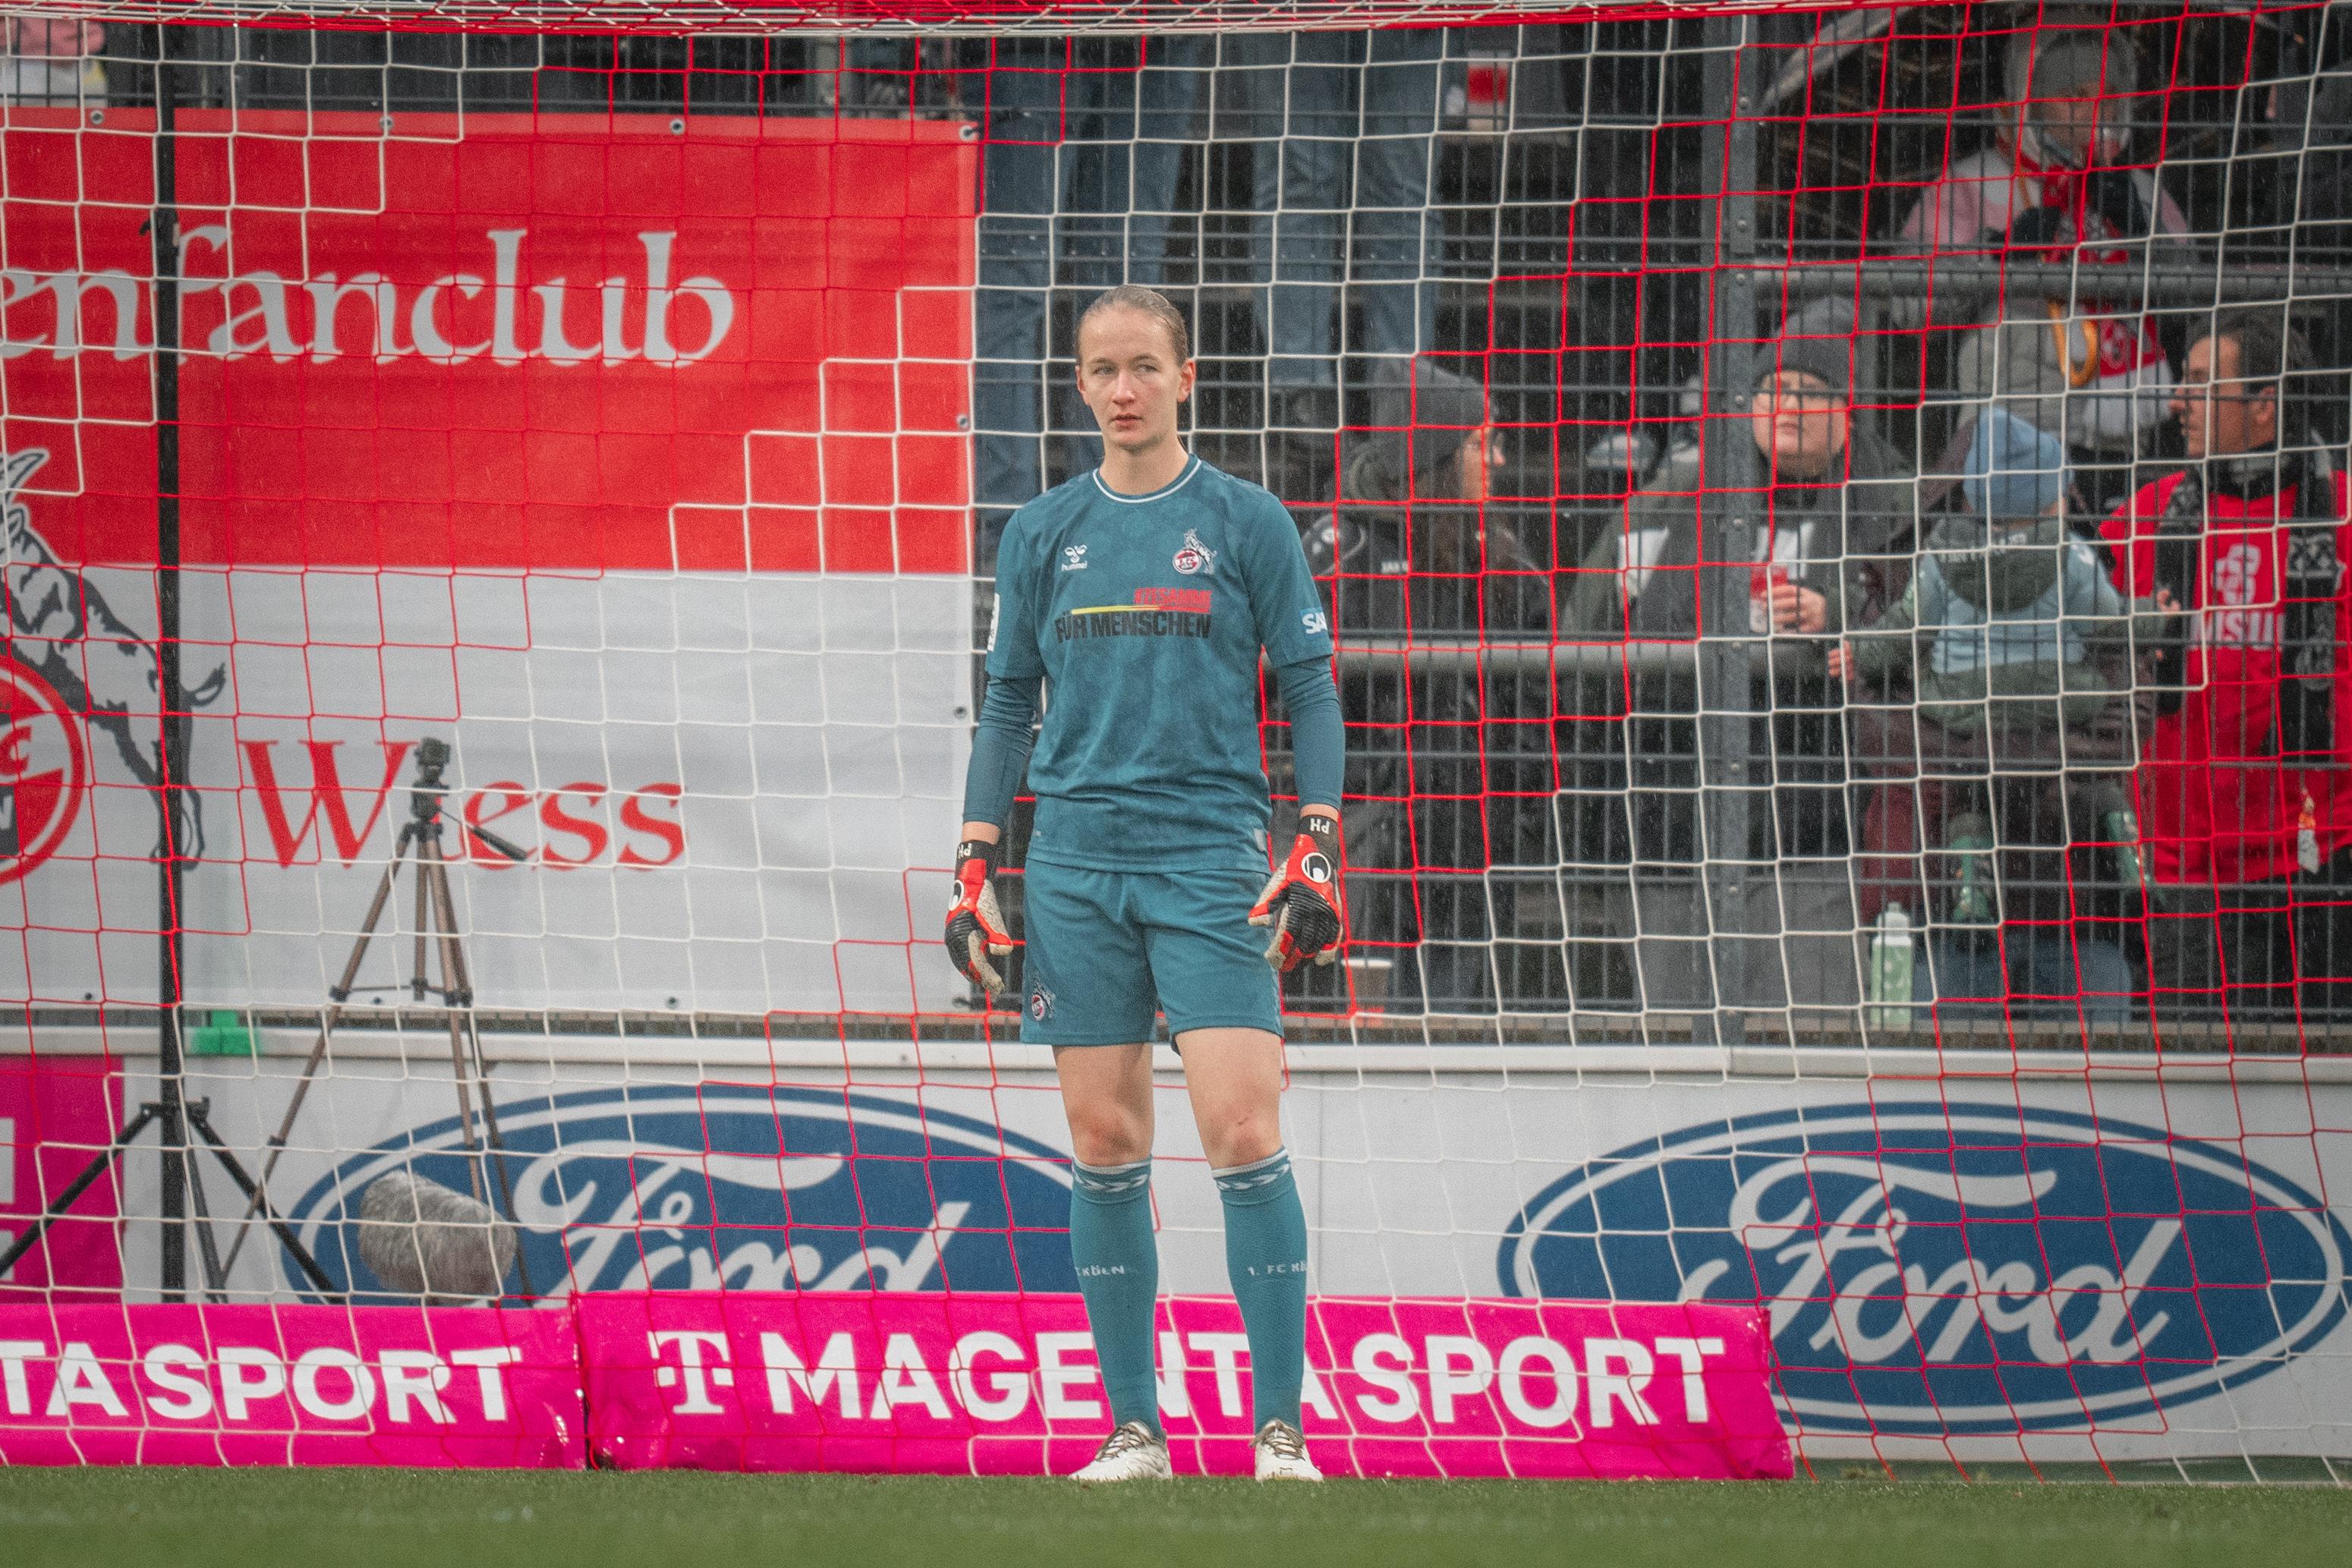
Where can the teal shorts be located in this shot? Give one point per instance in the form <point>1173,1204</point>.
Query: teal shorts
<point>1106,950</point>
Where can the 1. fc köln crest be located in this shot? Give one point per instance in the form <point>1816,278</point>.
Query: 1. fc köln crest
<point>43,770</point>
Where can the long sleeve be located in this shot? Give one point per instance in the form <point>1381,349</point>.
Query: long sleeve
<point>1879,646</point>
<point>1319,740</point>
<point>1000,747</point>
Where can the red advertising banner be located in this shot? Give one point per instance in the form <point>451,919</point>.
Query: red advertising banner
<point>501,340</point>
<point>489,426</point>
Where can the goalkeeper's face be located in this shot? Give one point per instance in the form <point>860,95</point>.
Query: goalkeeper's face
<point>1130,376</point>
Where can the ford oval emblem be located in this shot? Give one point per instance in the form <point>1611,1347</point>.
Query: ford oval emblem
<point>1939,1269</point>
<point>711,1187</point>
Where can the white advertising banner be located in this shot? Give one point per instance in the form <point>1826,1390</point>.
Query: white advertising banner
<point>2109,1265</point>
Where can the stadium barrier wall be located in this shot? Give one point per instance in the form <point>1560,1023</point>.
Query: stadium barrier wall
<point>2107,1260</point>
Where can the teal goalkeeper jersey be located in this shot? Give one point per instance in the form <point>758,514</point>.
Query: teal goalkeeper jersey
<point>1146,616</point>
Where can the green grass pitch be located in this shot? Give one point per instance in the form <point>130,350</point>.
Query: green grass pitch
<point>359,1519</point>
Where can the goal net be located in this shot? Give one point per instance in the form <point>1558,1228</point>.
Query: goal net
<point>1831,522</point>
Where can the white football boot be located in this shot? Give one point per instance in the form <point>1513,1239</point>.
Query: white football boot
<point>1281,1451</point>
<point>1132,1453</point>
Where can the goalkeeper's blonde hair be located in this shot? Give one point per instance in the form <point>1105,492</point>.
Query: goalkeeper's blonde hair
<point>1152,304</point>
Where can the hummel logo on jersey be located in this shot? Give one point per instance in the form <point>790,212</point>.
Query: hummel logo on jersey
<point>1073,558</point>
<point>1195,557</point>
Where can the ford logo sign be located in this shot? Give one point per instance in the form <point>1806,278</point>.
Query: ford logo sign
<point>711,1187</point>
<point>1944,1269</point>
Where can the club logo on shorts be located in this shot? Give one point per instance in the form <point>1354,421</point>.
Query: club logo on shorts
<point>1041,1003</point>
<point>1073,558</point>
<point>1195,557</point>
<point>1316,867</point>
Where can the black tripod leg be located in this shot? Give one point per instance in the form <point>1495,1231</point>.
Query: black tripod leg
<point>81,1184</point>
<point>202,1122</point>
<point>498,1159</point>
<point>340,995</point>
<point>208,1249</point>
<point>458,990</point>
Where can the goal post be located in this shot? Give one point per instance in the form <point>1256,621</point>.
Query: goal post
<point>500,511</point>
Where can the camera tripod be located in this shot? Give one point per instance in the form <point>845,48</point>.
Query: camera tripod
<point>435,932</point>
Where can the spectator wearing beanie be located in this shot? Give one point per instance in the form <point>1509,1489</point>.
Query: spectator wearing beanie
<point>1834,515</point>
<point>1413,545</point>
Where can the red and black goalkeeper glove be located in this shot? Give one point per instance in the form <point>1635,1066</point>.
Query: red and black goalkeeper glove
<point>1301,901</point>
<point>976,927</point>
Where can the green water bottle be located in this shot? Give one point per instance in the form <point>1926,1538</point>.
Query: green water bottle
<point>1891,957</point>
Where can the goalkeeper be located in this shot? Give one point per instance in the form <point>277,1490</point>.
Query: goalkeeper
<point>1144,591</point>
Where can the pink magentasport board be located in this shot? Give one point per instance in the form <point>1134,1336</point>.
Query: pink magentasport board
<point>1009,1384</point>
<point>56,1113</point>
<point>166,1384</point>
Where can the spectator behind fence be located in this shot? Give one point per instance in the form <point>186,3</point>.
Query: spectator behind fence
<point>52,62</point>
<point>1836,512</point>
<point>1340,180</point>
<point>1079,171</point>
<point>2095,375</point>
<point>1081,174</point>
<point>2245,782</point>
<point>1413,549</point>
<point>2023,645</point>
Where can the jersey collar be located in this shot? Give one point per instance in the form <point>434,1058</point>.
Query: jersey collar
<point>1191,467</point>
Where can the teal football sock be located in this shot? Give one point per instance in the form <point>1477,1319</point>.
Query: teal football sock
<point>1266,1257</point>
<point>1117,1260</point>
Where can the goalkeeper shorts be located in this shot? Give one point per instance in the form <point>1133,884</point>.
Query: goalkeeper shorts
<point>1106,950</point>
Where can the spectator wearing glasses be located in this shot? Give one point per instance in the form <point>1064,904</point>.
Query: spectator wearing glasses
<point>2245,780</point>
<point>1834,517</point>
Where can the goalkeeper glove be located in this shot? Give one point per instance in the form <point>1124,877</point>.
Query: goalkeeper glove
<point>1301,901</point>
<point>976,927</point>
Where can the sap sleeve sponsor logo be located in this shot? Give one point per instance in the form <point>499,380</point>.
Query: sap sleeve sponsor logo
<point>582,822</point>
<point>1905,1251</point>
<point>995,618</point>
<point>1313,623</point>
<point>685,1187</point>
<point>268,1386</point>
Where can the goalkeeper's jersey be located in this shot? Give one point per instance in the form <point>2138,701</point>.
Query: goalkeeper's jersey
<point>1145,616</point>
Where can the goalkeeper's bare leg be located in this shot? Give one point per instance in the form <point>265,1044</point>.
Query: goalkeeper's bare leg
<point>1234,1079</point>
